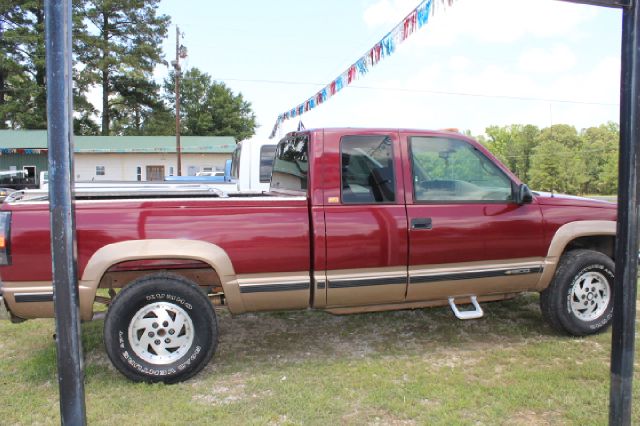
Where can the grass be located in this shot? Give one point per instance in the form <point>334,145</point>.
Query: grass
<point>406,367</point>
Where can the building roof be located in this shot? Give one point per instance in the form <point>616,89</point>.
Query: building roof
<point>37,139</point>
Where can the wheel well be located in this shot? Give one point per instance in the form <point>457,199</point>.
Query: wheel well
<point>604,244</point>
<point>201,273</point>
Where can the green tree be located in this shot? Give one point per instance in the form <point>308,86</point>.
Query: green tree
<point>22,65</point>
<point>514,146</point>
<point>557,164</point>
<point>562,133</point>
<point>119,49</point>
<point>160,122</point>
<point>209,108</point>
<point>600,154</point>
<point>559,158</point>
<point>134,105</point>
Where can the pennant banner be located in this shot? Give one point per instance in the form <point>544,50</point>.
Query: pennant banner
<point>415,20</point>
<point>27,151</point>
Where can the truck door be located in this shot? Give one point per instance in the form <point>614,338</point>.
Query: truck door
<point>365,219</point>
<point>467,235</point>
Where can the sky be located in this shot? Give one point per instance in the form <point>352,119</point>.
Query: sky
<point>475,64</point>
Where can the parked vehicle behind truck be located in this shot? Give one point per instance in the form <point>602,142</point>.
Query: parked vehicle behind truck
<point>254,157</point>
<point>16,179</point>
<point>356,220</point>
<point>251,165</point>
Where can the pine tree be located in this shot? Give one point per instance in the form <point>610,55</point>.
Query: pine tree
<point>120,48</point>
<point>23,99</point>
<point>22,65</point>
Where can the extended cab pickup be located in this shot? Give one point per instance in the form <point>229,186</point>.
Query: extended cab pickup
<point>355,221</point>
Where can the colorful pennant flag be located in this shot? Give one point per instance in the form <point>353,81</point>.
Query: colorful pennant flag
<point>415,20</point>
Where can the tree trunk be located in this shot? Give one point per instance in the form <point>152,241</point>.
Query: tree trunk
<point>138,121</point>
<point>3,87</point>
<point>2,81</point>
<point>105,75</point>
<point>41,72</point>
<point>3,124</point>
<point>105,101</point>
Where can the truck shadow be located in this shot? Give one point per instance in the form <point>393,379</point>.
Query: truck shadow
<point>271,338</point>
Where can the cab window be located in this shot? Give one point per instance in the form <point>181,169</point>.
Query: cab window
<point>452,170</point>
<point>291,164</point>
<point>367,170</point>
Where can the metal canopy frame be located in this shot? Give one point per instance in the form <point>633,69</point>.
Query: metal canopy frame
<point>63,236</point>
<point>626,249</point>
<point>605,3</point>
<point>62,213</point>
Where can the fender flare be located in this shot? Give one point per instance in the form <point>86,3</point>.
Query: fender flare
<point>564,235</point>
<point>124,251</point>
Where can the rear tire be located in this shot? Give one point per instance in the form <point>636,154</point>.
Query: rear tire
<point>160,328</point>
<point>579,300</point>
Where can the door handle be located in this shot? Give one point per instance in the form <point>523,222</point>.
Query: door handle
<point>421,223</point>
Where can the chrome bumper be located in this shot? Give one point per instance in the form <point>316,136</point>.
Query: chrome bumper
<point>4,312</point>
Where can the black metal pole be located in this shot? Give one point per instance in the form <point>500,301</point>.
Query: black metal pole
<point>62,213</point>
<point>623,338</point>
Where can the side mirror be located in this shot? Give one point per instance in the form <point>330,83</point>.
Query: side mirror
<point>524,195</point>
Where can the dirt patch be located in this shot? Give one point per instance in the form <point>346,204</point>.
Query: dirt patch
<point>455,359</point>
<point>374,418</point>
<point>531,418</point>
<point>224,392</point>
<point>97,357</point>
<point>384,418</point>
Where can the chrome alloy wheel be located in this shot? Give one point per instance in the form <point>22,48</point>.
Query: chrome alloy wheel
<point>589,296</point>
<point>161,333</point>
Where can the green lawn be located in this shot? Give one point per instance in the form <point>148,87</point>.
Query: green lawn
<point>408,367</point>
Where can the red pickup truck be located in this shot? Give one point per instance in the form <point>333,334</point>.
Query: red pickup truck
<point>356,220</point>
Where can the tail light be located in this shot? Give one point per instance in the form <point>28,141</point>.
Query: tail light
<point>5,245</point>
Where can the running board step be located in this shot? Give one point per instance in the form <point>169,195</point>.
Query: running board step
<point>477,312</point>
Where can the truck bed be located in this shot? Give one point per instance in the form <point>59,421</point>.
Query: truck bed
<point>259,233</point>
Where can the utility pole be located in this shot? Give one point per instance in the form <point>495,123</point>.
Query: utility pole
<point>181,52</point>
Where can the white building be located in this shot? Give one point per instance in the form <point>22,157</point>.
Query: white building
<point>121,158</point>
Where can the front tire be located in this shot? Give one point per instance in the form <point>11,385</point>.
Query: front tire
<point>160,328</point>
<point>579,300</point>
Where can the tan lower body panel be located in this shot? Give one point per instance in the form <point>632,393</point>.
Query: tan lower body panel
<point>320,293</point>
<point>29,299</point>
<point>351,287</point>
<point>275,291</point>
<point>439,282</point>
<point>34,299</point>
<point>550,266</point>
<point>340,291</point>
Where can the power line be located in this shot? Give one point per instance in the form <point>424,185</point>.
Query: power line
<point>403,90</point>
<point>435,92</point>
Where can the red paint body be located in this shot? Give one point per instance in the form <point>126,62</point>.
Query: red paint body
<point>275,235</point>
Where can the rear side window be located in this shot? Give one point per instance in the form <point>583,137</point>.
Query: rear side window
<point>267,153</point>
<point>367,170</point>
<point>291,164</point>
